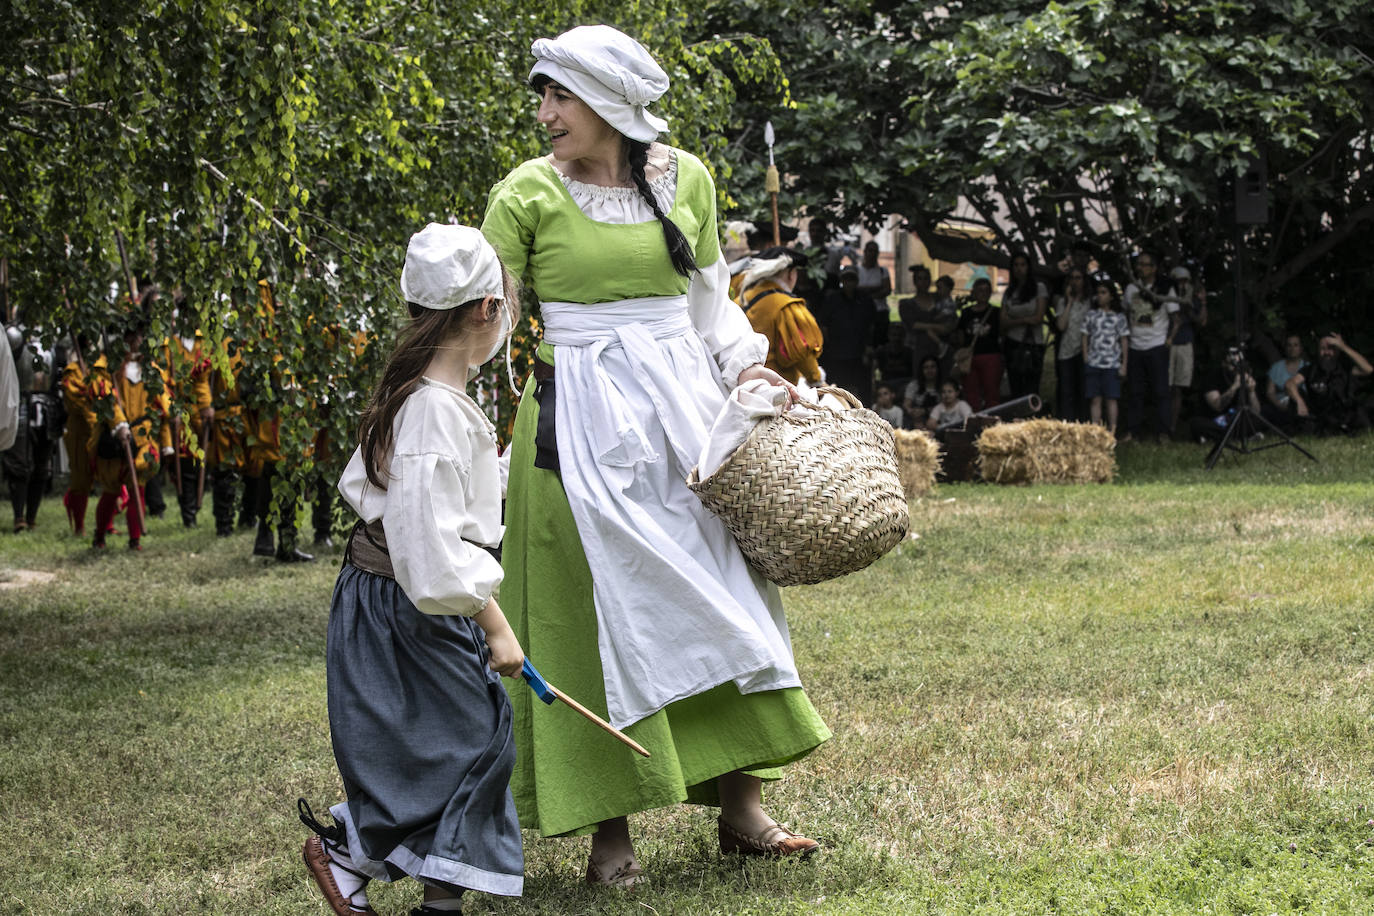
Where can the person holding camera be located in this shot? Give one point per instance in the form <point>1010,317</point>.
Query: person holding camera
<point>1227,388</point>
<point>1152,309</point>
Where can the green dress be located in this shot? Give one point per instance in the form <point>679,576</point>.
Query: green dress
<point>569,775</point>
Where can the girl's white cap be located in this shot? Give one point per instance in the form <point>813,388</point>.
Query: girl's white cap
<point>449,265</point>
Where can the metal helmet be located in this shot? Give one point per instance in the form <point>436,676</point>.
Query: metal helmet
<point>15,337</point>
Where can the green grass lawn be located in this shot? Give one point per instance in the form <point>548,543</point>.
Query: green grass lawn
<point>1147,697</point>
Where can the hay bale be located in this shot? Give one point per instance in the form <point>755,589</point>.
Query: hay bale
<point>1047,451</point>
<point>918,461</point>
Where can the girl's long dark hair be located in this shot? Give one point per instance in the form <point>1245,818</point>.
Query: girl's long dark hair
<point>684,262</point>
<point>1025,290</point>
<point>428,330</point>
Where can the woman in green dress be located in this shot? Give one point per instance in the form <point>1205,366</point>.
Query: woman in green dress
<point>625,591</point>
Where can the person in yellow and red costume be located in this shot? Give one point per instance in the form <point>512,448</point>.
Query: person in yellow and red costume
<point>81,425</point>
<point>193,413</point>
<point>224,450</point>
<point>263,446</point>
<point>131,404</point>
<point>794,338</point>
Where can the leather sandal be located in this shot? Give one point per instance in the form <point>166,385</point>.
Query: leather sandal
<point>626,877</point>
<point>317,860</point>
<point>774,841</point>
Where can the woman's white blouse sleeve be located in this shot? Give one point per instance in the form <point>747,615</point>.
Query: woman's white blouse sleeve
<point>722,323</point>
<point>426,507</point>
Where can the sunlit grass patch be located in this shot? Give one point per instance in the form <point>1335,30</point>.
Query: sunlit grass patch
<point>1150,696</point>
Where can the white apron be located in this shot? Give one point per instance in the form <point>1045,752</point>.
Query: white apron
<point>679,611</point>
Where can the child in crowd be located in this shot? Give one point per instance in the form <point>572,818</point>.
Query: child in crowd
<point>887,406</point>
<point>420,724</point>
<point>1105,353</point>
<point>951,411</point>
<point>922,393</point>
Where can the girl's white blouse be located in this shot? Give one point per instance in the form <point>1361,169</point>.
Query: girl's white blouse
<point>442,502</point>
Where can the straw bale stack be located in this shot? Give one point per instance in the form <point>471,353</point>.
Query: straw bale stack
<point>918,461</point>
<point>1047,451</point>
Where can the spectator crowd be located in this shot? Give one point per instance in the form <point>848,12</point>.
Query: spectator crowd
<point>167,417</point>
<point>1124,355</point>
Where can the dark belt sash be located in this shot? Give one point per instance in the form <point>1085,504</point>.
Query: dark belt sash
<point>367,549</point>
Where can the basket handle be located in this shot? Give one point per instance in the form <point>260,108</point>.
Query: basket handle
<point>841,393</point>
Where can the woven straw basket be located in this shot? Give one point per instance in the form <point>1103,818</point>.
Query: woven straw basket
<point>811,498</point>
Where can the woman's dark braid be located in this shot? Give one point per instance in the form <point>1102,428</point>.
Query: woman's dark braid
<point>684,262</point>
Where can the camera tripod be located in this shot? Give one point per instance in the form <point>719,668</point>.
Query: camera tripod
<point>1244,427</point>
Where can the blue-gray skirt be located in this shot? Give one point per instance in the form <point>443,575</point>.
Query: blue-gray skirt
<point>421,729</point>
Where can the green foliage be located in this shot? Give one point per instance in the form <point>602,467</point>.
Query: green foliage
<point>1144,697</point>
<point>303,143</point>
<point>1120,122</point>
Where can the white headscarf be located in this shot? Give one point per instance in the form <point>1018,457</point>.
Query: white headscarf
<point>760,270</point>
<point>448,265</point>
<point>609,71</point>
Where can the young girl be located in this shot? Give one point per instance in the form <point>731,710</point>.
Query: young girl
<point>922,393</point>
<point>420,724</point>
<point>1105,353</point>
<point>886,406</point>
<point>951,411</point>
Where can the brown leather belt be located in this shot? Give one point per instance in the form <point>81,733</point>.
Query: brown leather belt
<point>367,549</point>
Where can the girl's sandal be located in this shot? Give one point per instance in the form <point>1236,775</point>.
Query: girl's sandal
<point>318,859</point>
<point>775,841</point>
<point>626,877</point>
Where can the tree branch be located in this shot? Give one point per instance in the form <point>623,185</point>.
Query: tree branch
<point>209,167</point>
<point>1305,258</point>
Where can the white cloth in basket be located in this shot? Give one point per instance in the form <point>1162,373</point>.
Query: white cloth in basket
<point>679,609</point>
<point>747,406</point>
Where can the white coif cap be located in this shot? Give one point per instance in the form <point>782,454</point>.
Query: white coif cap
<point>608,70</point>
<point>448,265</point>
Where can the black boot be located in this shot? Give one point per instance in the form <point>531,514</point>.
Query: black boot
<point>294,555</point>
<point>287,552</point>
<point>186,497</point>
<point>153,503</point>
<point>248,512</point>
<point>322,514</point>
<point>222,500</point>
<point>262,546</point>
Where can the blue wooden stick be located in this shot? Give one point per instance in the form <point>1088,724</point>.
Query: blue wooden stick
<point>548,693</point>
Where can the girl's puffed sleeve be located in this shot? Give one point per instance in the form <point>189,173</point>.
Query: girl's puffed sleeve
<point>719,320</point>
<point>425,507</point>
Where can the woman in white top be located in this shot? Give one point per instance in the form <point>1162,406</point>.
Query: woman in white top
<point>420,724</point>
<point>876,282</point>
<point>1070,308</point>
<point>633,597</point>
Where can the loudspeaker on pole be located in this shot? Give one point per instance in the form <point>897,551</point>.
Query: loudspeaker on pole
<point>1252,193</point>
